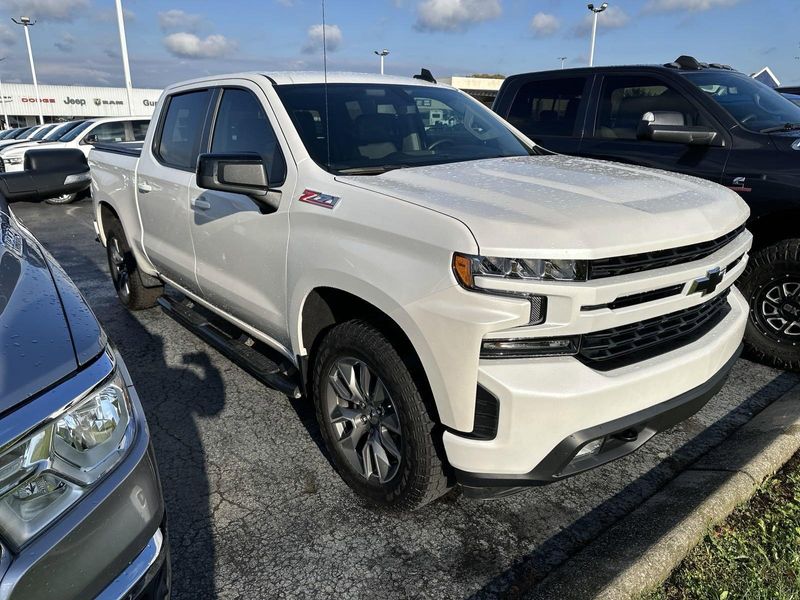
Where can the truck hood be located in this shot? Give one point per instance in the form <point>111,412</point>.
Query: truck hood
<point>40,308</point>
<point>566,207</point>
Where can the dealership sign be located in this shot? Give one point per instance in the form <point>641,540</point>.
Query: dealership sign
<point>66,101</point>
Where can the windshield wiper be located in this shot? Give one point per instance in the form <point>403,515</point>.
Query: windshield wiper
<point>371,170</point>
<point>784,127</point>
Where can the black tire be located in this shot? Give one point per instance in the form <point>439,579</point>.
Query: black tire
<point>419,475</point>
<point>773,273</point>
<point>62,199</point>
<point>125,273</point>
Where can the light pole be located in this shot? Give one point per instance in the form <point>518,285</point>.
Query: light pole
<point>123,43</point>
<point>596,12</point>
<point>562,59</point>
<point>383,54</point>
<point>26,22</point>
<point>3,100</point>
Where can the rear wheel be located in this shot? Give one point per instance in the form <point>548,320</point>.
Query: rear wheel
<point>63,199</point>
<point>771,285</point>
<point>373,418</point>
<point>125,273</point>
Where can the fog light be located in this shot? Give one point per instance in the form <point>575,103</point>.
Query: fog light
<point>591,448</point>
<point>529,347</point>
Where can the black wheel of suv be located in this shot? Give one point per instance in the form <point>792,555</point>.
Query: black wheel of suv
<point>125,274</point>
<point>62,199</point>
<point>374,420</point>
<point>771,284</point>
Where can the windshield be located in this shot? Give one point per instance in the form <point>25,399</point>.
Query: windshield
<point>754,105</point>
<point>62,128</point>
<point>71,135</point>
<point>379,127</point>
<point>42,132</point>
<point>21,133</point>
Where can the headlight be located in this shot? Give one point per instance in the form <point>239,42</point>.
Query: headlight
<point>13,160</point>
<point>468,267</point>
<point>44,474</point>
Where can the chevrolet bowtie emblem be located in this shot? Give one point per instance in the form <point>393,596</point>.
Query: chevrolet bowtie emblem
<point>707,284</point>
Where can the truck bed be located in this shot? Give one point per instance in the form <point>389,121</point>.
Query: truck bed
<point>126,148</point>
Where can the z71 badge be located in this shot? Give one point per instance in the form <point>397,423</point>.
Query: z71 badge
<point>319,199</point>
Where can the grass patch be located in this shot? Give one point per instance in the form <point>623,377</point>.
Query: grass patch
<point>754,555</point>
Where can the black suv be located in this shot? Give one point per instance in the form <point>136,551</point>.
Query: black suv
<point>705,120</point>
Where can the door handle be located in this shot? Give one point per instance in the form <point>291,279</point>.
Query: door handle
<point>200,204</point>
<point>144,187</point>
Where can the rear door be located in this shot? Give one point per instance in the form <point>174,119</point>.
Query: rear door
<point>240,245</point>
<point>619,105</point>
<point>551,111</point>
<point>166,170</point>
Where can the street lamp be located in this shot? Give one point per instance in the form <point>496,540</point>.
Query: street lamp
<point>3,100</point>
<point>123,42</point>
<point>383,54</point>
<point>596,12</point>
<point>562,59</point>
<point>26,22</point>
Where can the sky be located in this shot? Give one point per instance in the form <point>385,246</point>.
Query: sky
<point>76,41</point>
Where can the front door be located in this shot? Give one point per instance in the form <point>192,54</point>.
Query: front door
<point>623,100</point>
<point>240,244</point>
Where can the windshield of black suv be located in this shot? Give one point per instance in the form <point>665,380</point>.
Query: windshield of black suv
<point>373,128</point>
<point>754,105</point>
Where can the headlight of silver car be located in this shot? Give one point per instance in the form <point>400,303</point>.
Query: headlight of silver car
<point>44,474</point>
<point>13,160</point>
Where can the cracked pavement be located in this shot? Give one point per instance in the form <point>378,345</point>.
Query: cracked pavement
<point>255,510</point>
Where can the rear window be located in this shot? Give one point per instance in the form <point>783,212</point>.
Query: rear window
<point>179,144</point>
<point>548,107</point>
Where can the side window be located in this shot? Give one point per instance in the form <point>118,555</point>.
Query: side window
<point>242,126</point>
<point>182,129</point>
<point>108,132</point>
<point>139,130</point>
<point>625,99</point>
<point>548,107</point>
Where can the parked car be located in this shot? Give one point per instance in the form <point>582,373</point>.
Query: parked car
<point>83,137</point>
<point>458,306</point>
<point>23,136</point>
<point>698,119</point>
<point>81,510</point>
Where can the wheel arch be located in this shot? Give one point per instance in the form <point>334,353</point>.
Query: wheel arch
<point>774,227</point>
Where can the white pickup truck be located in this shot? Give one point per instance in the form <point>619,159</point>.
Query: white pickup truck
<point>461,306</point>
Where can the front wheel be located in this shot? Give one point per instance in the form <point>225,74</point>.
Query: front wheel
<point>771,284</point>
<point>374,420</point>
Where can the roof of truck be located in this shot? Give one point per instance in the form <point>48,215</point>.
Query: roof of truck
<point>304,77</point>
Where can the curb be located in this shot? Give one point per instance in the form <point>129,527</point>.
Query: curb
<point>641,551</point>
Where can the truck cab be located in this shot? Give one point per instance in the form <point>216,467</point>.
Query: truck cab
<point>704,120</point>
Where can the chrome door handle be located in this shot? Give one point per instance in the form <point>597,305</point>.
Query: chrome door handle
<point>200,204</point>
<point>144,187</point>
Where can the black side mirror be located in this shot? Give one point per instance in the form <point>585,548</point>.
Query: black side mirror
<point>91,138</point>
<point>48,173</point>
<point>236,173</point>
<point>669,126</point>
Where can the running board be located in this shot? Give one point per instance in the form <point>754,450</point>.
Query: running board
<point>234,344</point>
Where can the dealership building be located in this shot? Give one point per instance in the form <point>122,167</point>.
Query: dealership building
<point>64,102</point>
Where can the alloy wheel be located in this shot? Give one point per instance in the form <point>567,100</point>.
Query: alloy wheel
<point>119,269</point>
<point>365,423</point>
<point>777,309</point>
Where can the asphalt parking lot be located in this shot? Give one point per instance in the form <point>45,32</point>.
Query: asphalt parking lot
<point>256,511</point>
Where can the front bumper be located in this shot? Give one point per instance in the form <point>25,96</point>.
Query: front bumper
<point>549,407</point>
<point>106,534</point>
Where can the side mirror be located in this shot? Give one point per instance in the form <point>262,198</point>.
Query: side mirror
<point>48,173</point>
<point>236,173</point>
<point>668,126</point>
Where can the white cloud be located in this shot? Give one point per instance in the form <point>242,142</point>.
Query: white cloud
<point>63,10</point>
<point>7,36</point>
<point>612,18</point>
<point>188,45</point>
<point>690,5</point>
<point>333,38</point>
<point>455,15</point>
<point>544,24</point>
<point>179,19</point>
<point>66,43</point>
